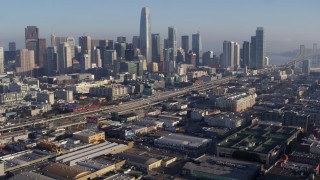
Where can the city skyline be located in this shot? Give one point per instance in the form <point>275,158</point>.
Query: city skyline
<point>219,28</point>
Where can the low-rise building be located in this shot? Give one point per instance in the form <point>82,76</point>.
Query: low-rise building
<point>46,97</point>
<point>89,136</point>
<point>140,161</point>
<point>64,95</point>
<point>112,91</point>
<point>211,167</point>
<point>228,120</point>
<point>183,143</point>
<point>260,143</point>
<point>236,102</point>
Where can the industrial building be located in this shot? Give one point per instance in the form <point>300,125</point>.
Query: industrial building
<point>211,167</point>
<point>23,158</point>
<point>91,152</point>
<point>89,136</point>
<point>262,143</point>
<point>188,144</point>
<point>64,172</point>
<point>30,176</point>
<point>142,162</point>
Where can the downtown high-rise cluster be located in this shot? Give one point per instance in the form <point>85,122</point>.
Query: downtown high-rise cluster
<point>252,54</point>
<point>145,53</point>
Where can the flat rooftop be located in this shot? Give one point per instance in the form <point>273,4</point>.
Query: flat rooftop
<point>87,133</point>
<point>174,138</point>
<point>224,167</point>
<point>259,138</point>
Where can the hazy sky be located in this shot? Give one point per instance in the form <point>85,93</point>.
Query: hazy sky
<point>287,23</point>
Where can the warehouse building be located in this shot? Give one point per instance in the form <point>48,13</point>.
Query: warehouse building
<point>142,162</point>
<point>260,142</point>
<point>89,136</point>
<point>91,152</point>
<point>64,172</point>
<point>211,167</point>
<point>30,176</point>
<point>183,143</point>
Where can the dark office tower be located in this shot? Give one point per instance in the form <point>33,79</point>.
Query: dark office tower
<point>31,33</point>
<point>208,58</point>
<point>121,49</point>
<point>181,55</point>
<point>110,45</point>
<point>165,44</point>
<point>252,62</point>
<point>246,53</point>
<point>172,41</point>
<point>191,58</point>
<point>129,54</point>
<point>12,46</point>
<point>103,43</point>
<point>136,42</point>
<point>41,52</point>
<point>260,48</point>
<point>315,58</point>
<point>156,47</point>
<point>121,39</point>
<point>145,34</point>
<point>85,43</point>
<point>31,37</point>
<point>51,64</point>
<point>185,43</point>
<point>197,47</point>
<point>1,60</point>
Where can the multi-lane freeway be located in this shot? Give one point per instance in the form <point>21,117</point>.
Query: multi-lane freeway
<point>128,106</point>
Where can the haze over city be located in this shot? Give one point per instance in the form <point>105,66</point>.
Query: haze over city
<point>287,23</point>
<point>159,89</point>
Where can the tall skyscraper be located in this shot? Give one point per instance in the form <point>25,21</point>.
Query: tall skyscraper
<point>231,54</point>
<point>12,46</point>
<point>253,48</point>
<point>260,48</point>
<point>85,63</point>
<point>246,53</point>
<point>228,54</point>
<point>42,46</point>
<point>185,43</point>
<point>156,47</point>
<point>136,42</point>
<point>31,40</point>
<point>85,43</point>
<point>197,47</point>
<point>25,62</point>
<point>109,58</point>
<point>96,57</point>
<point>64,58</point>
<point>121,49</point>
<point>145,34</point>
<point>72,43</point>
<point>172,41</point>
<point>31,34</point>
<point>315,58</point>
<point>51,61</point>
<point>121,39</point>
<point>236,55</point>
<point>1,60</point>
